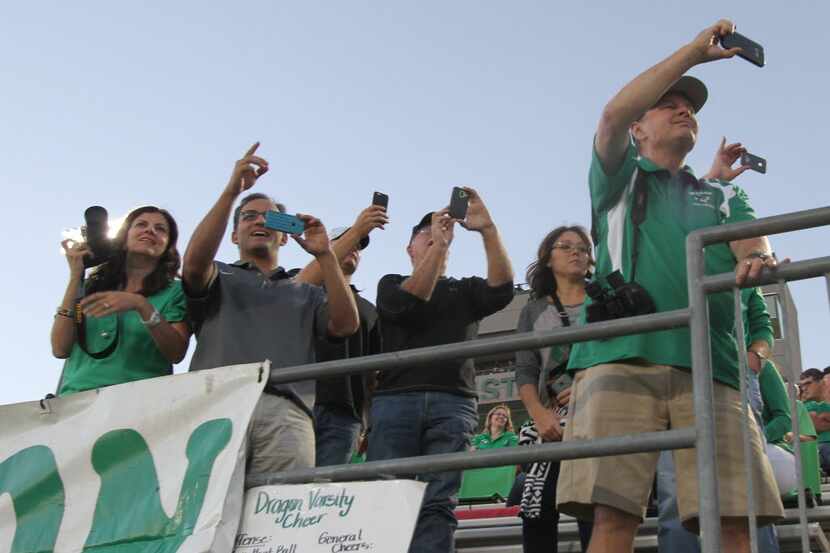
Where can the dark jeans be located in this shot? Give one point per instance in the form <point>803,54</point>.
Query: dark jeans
<point>336,430</point>
<point>824,457</point>
<point>424,423</point>
<point>541,535</point>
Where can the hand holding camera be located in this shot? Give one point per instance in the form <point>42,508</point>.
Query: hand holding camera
<point>76,253</point>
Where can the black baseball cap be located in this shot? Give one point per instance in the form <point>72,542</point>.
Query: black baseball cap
<point>812,374</point>
<point>426,221</point>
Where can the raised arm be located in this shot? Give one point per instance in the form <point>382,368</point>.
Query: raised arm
<point>197,266</point>
<point>343,316</point>
<point>63,328</point>
<point>499,269</point>
<point>646,89</point>
<point>425,276</point>
<point>371,218</point>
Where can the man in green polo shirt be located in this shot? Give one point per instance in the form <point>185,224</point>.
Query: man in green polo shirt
<point>643,383</point>
<point>812,394</point>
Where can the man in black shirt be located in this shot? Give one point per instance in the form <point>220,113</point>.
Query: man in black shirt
<point>340,402</point>
<point>431,408</point>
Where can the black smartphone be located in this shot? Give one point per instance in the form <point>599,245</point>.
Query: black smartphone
<point>755,162</point>
<point>381,199</point>
<point>458,203</point>
<point>751,51</point>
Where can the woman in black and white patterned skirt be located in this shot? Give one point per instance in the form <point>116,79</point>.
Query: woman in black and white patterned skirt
<point>557,282</point>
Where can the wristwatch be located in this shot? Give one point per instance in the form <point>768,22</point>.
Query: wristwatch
<point>154,320</point>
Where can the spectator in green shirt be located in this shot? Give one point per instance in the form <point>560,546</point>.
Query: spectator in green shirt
<point>498,430</point>
<point>812,394</point>
<point>133,307</point>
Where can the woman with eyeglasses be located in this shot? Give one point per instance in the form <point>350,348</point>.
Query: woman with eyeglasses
<point>498,430</point>
<point>132,313</point>
<point>557,291</point>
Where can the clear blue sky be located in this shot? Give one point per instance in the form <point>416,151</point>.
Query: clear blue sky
<point>124,104</point>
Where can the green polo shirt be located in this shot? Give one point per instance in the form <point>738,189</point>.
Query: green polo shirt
<point>676,206</point>
<point>776,414</point>
<point>135,357</point>
<point>484,441</point>
<point>757,324</point>
<point>819,407</point>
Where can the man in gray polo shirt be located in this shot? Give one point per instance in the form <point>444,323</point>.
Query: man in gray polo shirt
<point>254,310</point>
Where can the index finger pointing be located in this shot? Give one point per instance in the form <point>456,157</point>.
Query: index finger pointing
<point>252,149</point>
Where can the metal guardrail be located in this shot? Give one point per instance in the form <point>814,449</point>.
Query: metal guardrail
<point>696,316</point>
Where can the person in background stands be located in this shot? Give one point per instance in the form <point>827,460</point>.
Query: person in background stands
<point>497,431</point>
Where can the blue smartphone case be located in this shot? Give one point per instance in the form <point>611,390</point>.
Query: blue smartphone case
<point>284,222</point>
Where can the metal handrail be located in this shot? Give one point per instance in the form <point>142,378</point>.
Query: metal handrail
<point>696,316</point>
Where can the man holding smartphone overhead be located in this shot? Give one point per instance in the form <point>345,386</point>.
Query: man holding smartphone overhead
<point>340,402</point>
<point>645,202</point>
<point>428,409</point>
<point>253,310</point>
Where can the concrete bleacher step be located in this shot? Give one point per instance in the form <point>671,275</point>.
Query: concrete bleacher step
<point>504,534</point>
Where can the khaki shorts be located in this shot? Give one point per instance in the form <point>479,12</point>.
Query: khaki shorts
<point>616,399</point>
<point>280,437</point>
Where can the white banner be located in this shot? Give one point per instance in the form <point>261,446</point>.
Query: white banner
<point>330,518</point>
<point>145,466</point>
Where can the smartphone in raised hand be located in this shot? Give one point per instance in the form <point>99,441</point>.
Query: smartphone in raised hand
<point>756,163</point>
<point>381,199</point>
<point>459,201</point>
<point>284,222</point>
<point>751,51</point>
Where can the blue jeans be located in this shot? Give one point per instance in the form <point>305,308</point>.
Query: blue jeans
<point>424,423</point>
<point>824,456</point>
<point>672,537</point>
<point>336,430</point>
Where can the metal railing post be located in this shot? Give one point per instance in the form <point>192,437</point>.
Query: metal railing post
<point>709,507</point>
<point>749,460</point>
<point>795,371</point>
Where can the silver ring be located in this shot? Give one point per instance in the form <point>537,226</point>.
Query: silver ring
<point>107,305</point>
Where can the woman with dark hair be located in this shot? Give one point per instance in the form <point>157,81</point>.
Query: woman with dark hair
<point>130,323</point>
<point>557,292</point>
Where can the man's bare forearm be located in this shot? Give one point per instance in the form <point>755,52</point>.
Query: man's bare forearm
<point>204,243</point>
<point>499,269</point>
<point>425,276</point>
<point>343,317</point>
<point>313,273</point>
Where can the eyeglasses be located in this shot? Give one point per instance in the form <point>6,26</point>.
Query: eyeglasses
<point>568,248</point>
<point>251,215</point>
